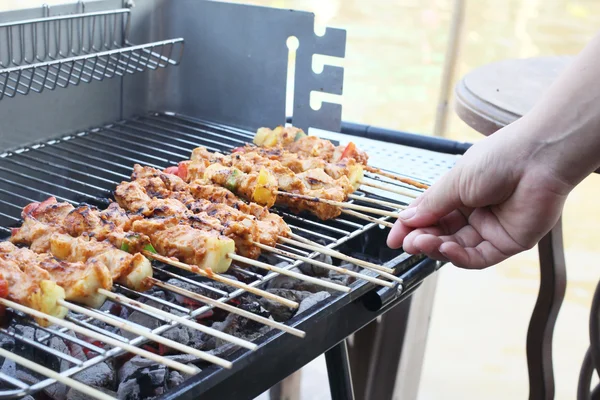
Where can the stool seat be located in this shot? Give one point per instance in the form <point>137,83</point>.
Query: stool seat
<point>497,94</point>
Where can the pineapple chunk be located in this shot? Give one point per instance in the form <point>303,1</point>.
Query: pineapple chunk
<point>263,192</point>
<point>261,135</point>
<point>356,176</point>
<point>216,258</point>
<point>136,279</point>
<point>46,300</point>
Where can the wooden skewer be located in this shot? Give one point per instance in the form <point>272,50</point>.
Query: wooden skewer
<point>183,321</point>
<point>324,265</point>
<point>148,335</point>
<point>189,370</point>
<point>211,275</point>
<point>400,191</point>
<point>81,387</point>
<point>368,218</point>
<point>375,201</point>
<point>408,181</point>
<point>292,274</point>
<point>229,308</point>
<point>339,204</point>
<point>383,271</point>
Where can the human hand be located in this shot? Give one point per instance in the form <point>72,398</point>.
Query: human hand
<point>500,199</point>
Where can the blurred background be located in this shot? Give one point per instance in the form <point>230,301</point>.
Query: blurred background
<point>393,69</point>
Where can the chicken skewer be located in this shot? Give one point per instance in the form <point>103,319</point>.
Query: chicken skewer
<point>34,289</point>
<point>167,185</point>
<point>133,197</point>
<point>297,141</point>
<point>181,240</point>
<point>67,276</point>
<point>345,167</point>
<point>246,174</point>
<point>44,232</point>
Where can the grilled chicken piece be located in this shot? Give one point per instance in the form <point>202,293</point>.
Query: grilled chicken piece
<point>130,270</point>
<point>215,201</point>
<point>283,136</point>
<point>125,268</point>
<point>79,280</point>
<point>347,167</point>
<point>33,289</point>
<point>287,180</point>
<point>296,141</point>
<point>207,250</point>
<point>112,224</point>
<point>242,231</point>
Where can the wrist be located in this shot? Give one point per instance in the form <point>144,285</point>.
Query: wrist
<point>565,153</point>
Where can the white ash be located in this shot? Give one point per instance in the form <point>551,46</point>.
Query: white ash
<point>143,379</point>
<point>143,319</point>
<point>139,363</point>
<point>314,270</point>
<point>77,395</point>
<point>239,327</point>
<point>343,279</point>
<point>278,311</point>
<point>311,301</point>
<point>99,375</point>
<point>175,379</point>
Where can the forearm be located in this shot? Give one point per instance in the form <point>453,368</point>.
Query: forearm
<point>564,127</point>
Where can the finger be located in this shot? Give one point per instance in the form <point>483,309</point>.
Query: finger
<point>397,234</point>
<point>429,245</point>
<point>467,236</point>
<point>409,241</point>
<point>454,221</point>
<point>436,202</point>
<point>482,256</point>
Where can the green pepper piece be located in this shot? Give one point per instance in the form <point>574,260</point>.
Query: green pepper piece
<point>125,246</point>
<point>231,183</point>
<point>150,248</point>
<point>299,136</point>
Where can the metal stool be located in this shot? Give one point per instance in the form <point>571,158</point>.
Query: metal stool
<point>487,99</point>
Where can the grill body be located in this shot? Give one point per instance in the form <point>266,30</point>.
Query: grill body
<point>77,143</point>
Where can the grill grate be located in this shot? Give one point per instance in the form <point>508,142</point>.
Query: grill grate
<point>86,167</point>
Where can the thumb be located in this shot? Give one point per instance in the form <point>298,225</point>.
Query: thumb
<point>436,202</point>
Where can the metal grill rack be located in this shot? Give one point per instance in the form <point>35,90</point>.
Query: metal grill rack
<point>58,51</point>
<point>86,167</point>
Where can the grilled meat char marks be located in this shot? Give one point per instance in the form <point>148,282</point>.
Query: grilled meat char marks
<point>242,233</point>
<point>80,280</point>
<point>312,183</point>
<point>44,230</point>
<point>250,221</point>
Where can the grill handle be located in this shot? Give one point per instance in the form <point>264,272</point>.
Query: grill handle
<point>424,142</point>
<point>377,299</point>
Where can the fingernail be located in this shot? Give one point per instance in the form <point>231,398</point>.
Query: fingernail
<point>442,252</point>
<point>407,214</point>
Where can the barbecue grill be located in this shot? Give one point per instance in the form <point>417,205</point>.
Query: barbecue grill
<point>89,89</point>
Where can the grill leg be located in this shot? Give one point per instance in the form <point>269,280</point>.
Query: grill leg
<point>338,371</point>
<point>553,282</point>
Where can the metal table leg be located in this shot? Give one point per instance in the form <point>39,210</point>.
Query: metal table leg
<point>553,283</point>
<point>338,371</point>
